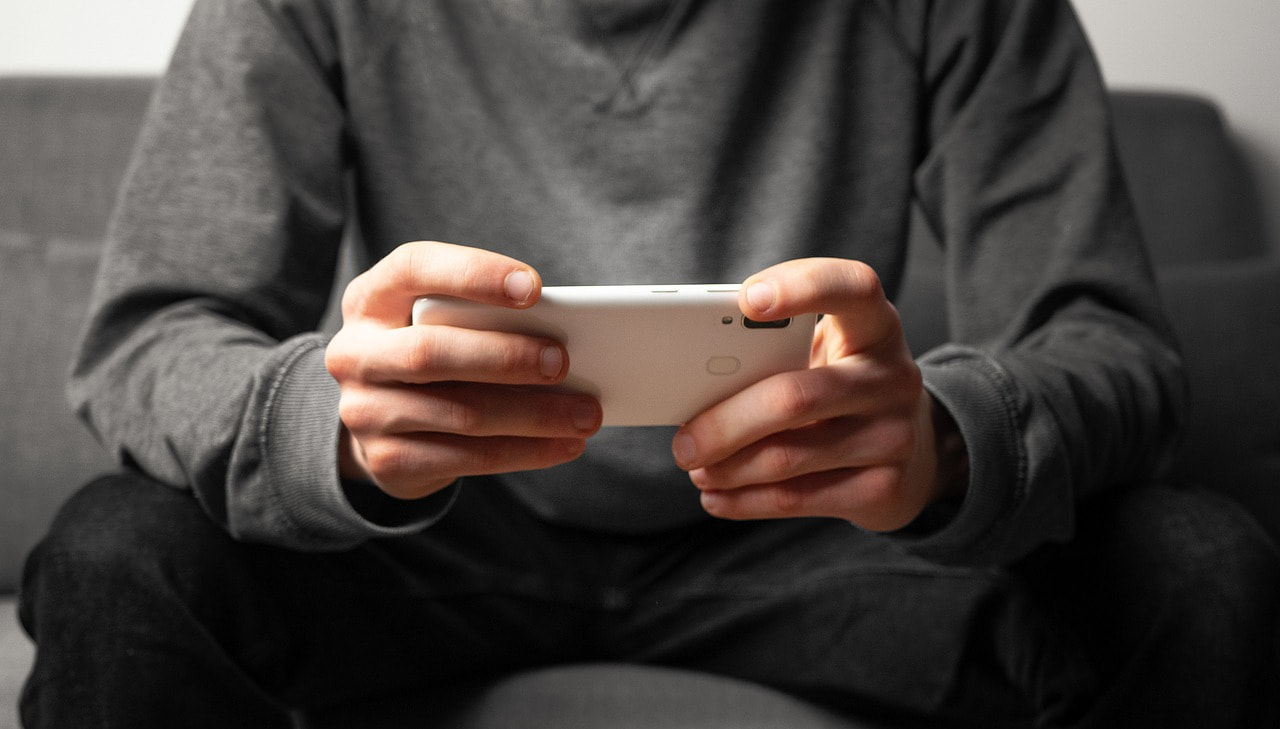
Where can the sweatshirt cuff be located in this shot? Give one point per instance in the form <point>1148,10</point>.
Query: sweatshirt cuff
<point>298,440</point>
<point>982,400</point>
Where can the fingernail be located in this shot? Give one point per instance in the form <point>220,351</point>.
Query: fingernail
<point>760,296</point>
<point>585,415</point>
<point>519,286</point>
<point>684,449</point>
<point>699,477</point>
<point>552,362</point>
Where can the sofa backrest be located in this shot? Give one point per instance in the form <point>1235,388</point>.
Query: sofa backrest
<point>64,145</point>
<point>1194,193</point>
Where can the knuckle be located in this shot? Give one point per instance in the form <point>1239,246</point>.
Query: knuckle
<point>460,416</point>
<point>793,398</point>
<point>337,359</point>
<point>898,440</point>
<point>786,500</point>
<point>485,455</point>
<point>864,279</point>
<point>907,379</point>
<point>898,383</point>
<point>355,297</point>
<point>425,351</point>
<point>356,414</point>
<point>415,259</point>
<point>882,485</point>
<point>515,358</point>
<point>881,491</point>
<point>388,460</point>
<point>400,269</point>
<point>409,257</point>
<point>783,461</point>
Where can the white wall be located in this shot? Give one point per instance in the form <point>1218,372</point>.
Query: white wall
<point>1226,49</point>
<point>88,36</point>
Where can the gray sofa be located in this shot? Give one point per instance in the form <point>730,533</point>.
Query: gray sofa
<point>65,142</point>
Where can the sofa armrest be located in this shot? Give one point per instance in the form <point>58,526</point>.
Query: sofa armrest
<point>1227,318</point>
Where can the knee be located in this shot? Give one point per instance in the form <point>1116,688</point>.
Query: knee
<point>118,520</point>
<point>1199,583</point>
<point>113,535</point>
<point>1204,548</point>
<point>1198,563</point>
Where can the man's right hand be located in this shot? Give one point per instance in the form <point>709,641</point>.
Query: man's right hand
<point>422,406</point>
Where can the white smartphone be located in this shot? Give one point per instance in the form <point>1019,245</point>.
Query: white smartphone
<point>652,355</point>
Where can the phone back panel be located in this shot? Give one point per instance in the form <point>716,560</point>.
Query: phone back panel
<point>652,355</point>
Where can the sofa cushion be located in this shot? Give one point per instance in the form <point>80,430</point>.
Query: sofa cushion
<point>614,695</point>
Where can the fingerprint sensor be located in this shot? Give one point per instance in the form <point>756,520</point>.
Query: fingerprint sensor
<point>723,365</point>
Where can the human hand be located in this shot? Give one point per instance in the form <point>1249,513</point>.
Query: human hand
<point>423,405</point>
<point>855,436</point>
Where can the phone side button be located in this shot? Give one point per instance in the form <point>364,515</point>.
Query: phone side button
<point>723,365</point>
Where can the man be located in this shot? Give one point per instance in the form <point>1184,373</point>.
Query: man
<point>433,514</point>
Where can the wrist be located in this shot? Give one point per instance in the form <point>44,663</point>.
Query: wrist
<point>951,471</point>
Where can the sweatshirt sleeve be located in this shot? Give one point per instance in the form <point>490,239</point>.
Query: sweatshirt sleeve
<point>199,364</point>
<point>1062,374</point>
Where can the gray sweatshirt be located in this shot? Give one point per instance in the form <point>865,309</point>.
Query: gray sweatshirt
<point>625,141</point>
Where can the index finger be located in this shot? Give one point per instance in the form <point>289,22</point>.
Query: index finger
<point>848,290</point>
<point>387,290</point>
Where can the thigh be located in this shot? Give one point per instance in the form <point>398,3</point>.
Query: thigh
<point>824,610</point>
<point>1174,594</point>
<point>139,563</point>
<point>1161,612</point>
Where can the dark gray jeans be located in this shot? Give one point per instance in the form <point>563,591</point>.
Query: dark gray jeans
<point>1161,613</point>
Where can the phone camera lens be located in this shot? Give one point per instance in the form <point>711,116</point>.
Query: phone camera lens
<point>775,324</point>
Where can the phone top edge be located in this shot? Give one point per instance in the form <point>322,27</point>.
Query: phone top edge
<point>641,289</point>
<point>604,297</point>
<point>640,294</point>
